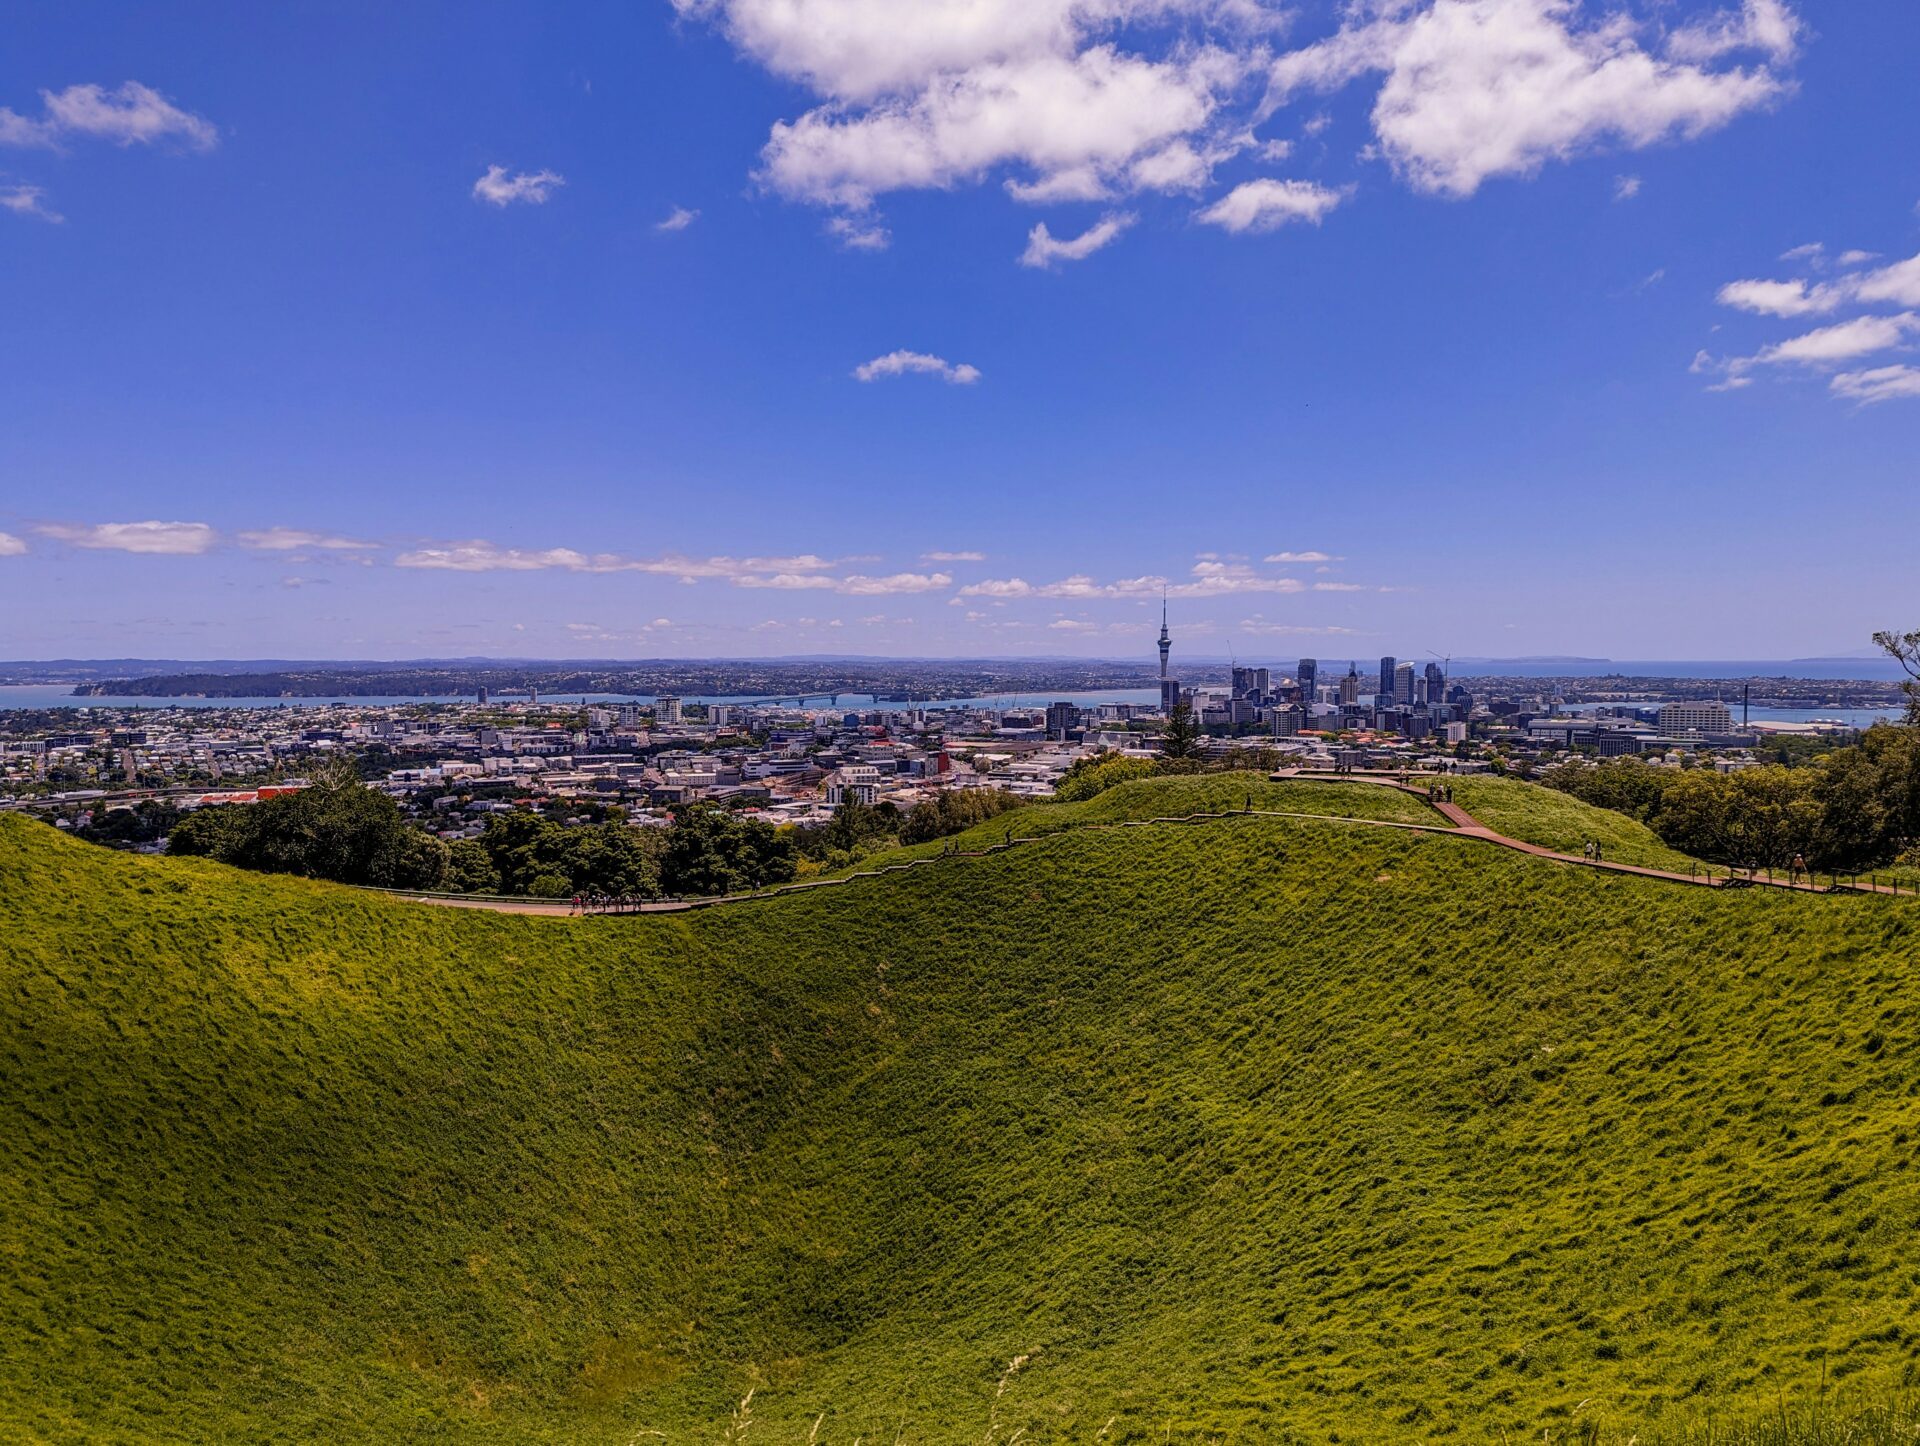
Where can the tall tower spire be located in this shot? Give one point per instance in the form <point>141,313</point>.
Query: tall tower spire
<point>1166,641</point>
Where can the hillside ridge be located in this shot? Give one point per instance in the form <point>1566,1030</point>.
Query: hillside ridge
<point>1262,1128</point>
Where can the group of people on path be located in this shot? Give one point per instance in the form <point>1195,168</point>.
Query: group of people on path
<point>1439,793</point>
<point>607,903</point>
<point>1591,849</point>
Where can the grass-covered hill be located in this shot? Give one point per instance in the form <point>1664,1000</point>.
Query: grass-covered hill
<point>1258,1130</point>
<point>1182,796</point>
<point>1560,821</point>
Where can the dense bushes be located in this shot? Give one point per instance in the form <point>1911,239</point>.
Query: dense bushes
<point>336,829</point>
<point>1097,772</point>
<point>712,851</point>
<point>955,811</point>
<point>1852,809</point>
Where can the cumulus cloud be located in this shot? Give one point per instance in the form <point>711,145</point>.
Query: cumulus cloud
<point>1044,249</point>
<point>1766,26</point>
<point>1822,349</point>
<point>1772,298</point>
<point>1300,557</point>
<point>1091,100</point>
<point>497,188</point>
<point>130,114</point>
<point>1267,204</point>
<point>1841,342</point>
<point>1897,284</point>
<point>678,219</point>
<point>159,538</point>
<point>294,539</point>
<point>1475,89</point>
<point>25,200</point>
<point>1880,384</point>
<point>1855,285</point>
<point>1045,88</point>
<point>909,363</point>
<point>11,546</point>
<point>953,557</point>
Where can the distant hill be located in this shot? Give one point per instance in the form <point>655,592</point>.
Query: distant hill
<point>1256,1130</point>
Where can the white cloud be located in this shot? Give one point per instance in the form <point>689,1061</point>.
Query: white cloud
<point>1480,88</point>
<point>11,546</point>
<point>1266,204</point>
<point>24,200</point>
<point>678,219</point>
<point>1841,342</point>
<point>294,539</point>
<point>959,88</point>
<point>1880,384</point>
<point>899,582</point>
<point>1625,188</point>
<point>500,189</point>
<point>1896,284</point>
<point>800,573</point>
<point>1767,26</point>
<point>1043,249</point>
<point>1260,625</point>
<point>1339,587</point>
<point>1300,557</point>
<point>1824,348</point>
<point>1089,100</point>
<point>1772,298</point>
<point>1814,252</point>
<point>1208,578</point>
<point>131,114</point>
<point>481,556</point>
<point>905,363</point>
<point>859,235</point>
<point>1857,258</point>
<point>953,557</point>
<point>159,538</point>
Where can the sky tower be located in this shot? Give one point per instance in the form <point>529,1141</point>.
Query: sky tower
<point>1166,642</point>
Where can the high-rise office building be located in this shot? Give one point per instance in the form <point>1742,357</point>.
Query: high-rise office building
<point>1350,686</point>
<point>1307,676</point>
<point>1436,683</point>
<point>1403,682</point>
<point>1386,677</point>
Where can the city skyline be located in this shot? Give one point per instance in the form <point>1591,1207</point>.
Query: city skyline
<point>671,332</point>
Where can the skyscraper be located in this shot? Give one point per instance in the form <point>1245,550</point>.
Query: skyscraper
<point>1350,686</point>
<point>1307,676</point>
<point>1436,683</point>
<point>1386,677</point>
<point>1403,682</point>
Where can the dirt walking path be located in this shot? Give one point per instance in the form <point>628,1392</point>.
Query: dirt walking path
<point>1460,824</point>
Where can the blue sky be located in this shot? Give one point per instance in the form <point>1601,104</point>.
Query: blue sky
<point>1483,326</point>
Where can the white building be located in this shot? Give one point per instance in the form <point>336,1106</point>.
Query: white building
<point>1695,718</point>
<point>860,781</point>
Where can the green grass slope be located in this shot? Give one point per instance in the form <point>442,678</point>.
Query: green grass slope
<point>1254,1131</point>
<point>1178,797</point>
<point>1545,816</point>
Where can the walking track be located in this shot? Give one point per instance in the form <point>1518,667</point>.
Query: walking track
<point>1460,824</point>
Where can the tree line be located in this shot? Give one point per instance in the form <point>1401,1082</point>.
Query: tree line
<point>1847,811</point>
<point>340,830</point>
